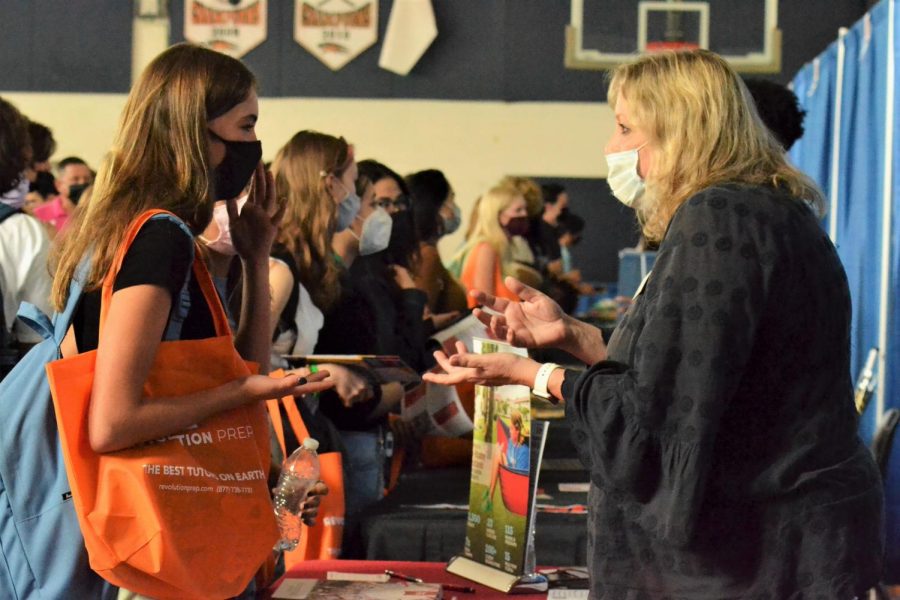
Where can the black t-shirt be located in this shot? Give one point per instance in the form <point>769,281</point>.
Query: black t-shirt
<point>160,255</point>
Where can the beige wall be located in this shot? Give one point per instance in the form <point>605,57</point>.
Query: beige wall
<point>474,143</point>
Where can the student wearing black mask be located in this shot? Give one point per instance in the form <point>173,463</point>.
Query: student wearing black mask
<point>206,150</point>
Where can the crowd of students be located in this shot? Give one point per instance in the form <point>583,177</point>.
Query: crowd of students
<point>327,255</point>
<point>324,254</point>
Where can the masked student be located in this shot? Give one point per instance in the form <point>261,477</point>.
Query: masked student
<point>316,173</point>
<point>186,140</point>
<point>435,215</point>
<point>487,254</point>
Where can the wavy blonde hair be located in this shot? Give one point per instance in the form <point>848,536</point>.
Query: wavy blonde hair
<point>158,158</point>
<point>300,169</point>
<point>530,191</point>
<point>486,222</point>
<point>702,121</point>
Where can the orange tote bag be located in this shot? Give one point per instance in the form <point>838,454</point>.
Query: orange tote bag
<point>187,516</point>
<point>323,541</point>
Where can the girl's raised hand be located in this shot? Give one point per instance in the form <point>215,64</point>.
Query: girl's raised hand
<point>253,231</point>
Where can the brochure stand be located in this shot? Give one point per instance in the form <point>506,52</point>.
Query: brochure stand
<point>506,456</point>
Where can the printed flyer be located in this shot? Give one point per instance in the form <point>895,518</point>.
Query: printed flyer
<point>438,409</point>
<point>499,493</point>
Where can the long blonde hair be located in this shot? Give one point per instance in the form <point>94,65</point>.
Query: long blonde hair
<point>702,120</point>
<point>530,191</point>
<point>300,169</point>
<point>158,158</point>
<point>486,222</point>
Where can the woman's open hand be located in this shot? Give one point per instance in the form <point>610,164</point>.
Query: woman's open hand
<point>253,231</point>
<point>534,322</point>
<point>499,368</point>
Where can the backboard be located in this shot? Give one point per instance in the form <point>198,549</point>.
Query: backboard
<point>604,33</point>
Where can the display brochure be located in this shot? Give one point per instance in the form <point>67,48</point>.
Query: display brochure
<point>437,409</point>
<point>385,368</point>
<point>506,455</point>
<point>311,589</point>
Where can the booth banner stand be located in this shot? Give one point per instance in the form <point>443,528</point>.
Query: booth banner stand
<point>232,28</point>
<point>506,455</point>
<point>336,31</point>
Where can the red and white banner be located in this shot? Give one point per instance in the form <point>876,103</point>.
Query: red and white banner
<point>336,31</point>
<point>230,27</point>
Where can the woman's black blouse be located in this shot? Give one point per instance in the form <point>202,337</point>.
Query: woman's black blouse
<point>720,434</point>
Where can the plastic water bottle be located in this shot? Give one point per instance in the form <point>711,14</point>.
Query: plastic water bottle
<point>299,474</point>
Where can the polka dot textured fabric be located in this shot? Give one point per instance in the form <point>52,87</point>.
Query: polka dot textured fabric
<point>720,433</point>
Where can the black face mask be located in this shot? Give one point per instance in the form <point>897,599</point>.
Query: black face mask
<point>234,172</point>
<point>517,226</point>
<point>75,192</point>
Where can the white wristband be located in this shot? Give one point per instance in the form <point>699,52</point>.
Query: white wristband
<point>541,380</point>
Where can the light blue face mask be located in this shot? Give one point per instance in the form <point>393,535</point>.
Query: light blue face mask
<point>451,224</point>
<point>566,257</point>
<point>347,210</point>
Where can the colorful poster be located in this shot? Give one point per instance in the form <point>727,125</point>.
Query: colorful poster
<point>496,532</point>
<point>232,27</point>
<point>336,31</point>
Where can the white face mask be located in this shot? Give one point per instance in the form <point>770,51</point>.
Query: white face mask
<point>623,177</point>
<point>223,243</point>
<point>15,198</point>
<point>376,232</point>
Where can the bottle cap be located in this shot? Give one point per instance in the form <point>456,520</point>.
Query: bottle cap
<point>311,444</point>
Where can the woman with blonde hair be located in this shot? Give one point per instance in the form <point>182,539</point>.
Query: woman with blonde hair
<point>718,425</point>
<point>487,254</point>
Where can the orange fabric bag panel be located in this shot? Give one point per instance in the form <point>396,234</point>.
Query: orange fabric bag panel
<point>468,276</point>
<point>323,541</point>
<point>187,516</point>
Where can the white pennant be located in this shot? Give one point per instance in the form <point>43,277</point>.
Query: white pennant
<point>410,31</point>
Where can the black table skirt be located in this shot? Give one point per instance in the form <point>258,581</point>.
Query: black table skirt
<point>395,530</point>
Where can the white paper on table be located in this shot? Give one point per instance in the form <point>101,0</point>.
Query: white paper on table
<point>375,577</point>
<point>294,589</point>
<point>575,487</point>
<point>564,594</point>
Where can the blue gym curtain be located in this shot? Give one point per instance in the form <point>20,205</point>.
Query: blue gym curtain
<point>851,150</point>
<point>814,86</point>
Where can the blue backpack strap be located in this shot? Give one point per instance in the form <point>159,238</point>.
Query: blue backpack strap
<point>183,303</point>
<point>56,328</point>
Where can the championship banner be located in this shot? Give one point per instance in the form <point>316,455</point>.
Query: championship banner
<point>336,31</point>
<point>232,27</point>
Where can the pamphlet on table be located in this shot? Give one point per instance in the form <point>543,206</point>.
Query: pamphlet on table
<point>436,409</point>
